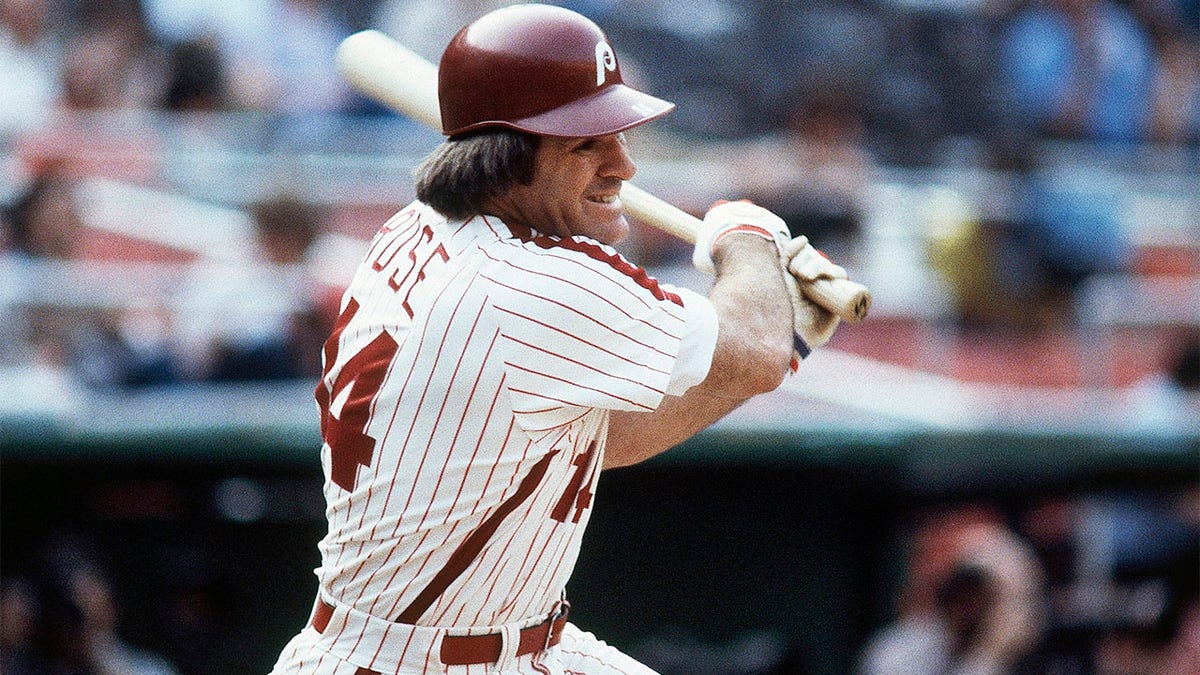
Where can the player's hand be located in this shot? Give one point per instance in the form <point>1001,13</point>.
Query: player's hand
<point>807,263</point>
<point>812,325</point>
<point>741,217</point>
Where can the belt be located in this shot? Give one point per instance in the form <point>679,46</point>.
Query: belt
<point>465,650</point>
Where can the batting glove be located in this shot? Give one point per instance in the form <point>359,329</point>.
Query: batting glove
<point>807,263</point>
<point>812,325</point>
<point>726,218</point>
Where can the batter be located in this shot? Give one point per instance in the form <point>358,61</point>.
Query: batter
<point>494,353</point>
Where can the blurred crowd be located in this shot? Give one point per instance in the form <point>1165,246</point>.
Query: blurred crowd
<point>71,606</point>
<point>1105,70</point>
<point>179,56</point>
<point>261,314</point>
<point>805,115</point>
<point>1104,583</point>
<point>66,619</point>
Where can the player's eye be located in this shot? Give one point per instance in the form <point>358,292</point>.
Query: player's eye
<point>596,143</point>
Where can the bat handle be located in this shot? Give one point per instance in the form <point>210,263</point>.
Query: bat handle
<point>660,213</point>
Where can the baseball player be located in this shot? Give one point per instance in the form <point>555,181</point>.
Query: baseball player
<point>494,354</point>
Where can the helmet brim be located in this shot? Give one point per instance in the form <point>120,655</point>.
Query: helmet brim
<point>611,110</point>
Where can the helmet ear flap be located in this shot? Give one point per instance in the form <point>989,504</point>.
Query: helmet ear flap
<point>541,69</point>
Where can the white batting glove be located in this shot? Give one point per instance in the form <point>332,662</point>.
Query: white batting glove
<point>812,325</point>
<point>807,263</point>
<point>727,218</point>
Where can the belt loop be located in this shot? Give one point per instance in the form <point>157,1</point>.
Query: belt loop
<point>558,618</point>
<point>510,642</point>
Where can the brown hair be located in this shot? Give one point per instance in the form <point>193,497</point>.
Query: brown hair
<point>465,171</point>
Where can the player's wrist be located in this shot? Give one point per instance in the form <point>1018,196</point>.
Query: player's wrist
<point>740,228</point>
<point>727,219</point>
<point>743,241</point>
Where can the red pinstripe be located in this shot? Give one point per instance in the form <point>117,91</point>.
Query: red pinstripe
<point>572,420</point>
<point>472,545</point>
<point>585,366</point>
<point>564,380</point>
<point>579,268</point>
<point>463,585</point>
<point>589,343</point>
<point>598,253</point>
<point>394,481</point>
<point>383,441</point>
<point>461,421</point>
<point>569,282</point>
<point>525,583</point>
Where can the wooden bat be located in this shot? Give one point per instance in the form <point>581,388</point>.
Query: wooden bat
<point>387,71</point>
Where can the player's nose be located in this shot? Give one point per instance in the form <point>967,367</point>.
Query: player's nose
<point>617,161</point>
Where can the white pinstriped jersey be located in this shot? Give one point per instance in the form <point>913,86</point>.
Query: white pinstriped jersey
<point>465,404</point>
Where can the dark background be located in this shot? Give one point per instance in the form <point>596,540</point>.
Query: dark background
<point>788,546</point>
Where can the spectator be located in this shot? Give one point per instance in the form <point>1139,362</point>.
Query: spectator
<point>261,316</point>
<point>971,602</point>
<point>196,80</point>
<point>109,63</point>
<point>78,630</point>
<point>815,172</point>
<point>236,30</point>
<point>1074,231</point>
<point>1021,265</point>
<point>278,53</point>
<point>44,219</point>
<point>19,616</point>
<point>1079,70</point>
<point>1154,626</point>
<point>30,59</point>
<point>1175,110</point>
<point>1122,580</point>
<point>90,592</point>
<point>61,331</point>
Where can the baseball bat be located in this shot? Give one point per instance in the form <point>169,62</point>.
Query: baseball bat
<point>377,65</point>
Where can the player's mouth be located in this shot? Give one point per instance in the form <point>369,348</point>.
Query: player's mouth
<point>605,207</point>
<point>608,202</point>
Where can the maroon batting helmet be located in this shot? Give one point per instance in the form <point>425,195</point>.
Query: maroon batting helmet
<point>542,69</point>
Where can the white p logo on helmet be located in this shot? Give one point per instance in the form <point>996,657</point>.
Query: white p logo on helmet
<point>606,62</point>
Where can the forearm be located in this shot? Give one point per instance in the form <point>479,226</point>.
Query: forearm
<point>634,437</point>
<point>751,356</point>
<point>754,342</point>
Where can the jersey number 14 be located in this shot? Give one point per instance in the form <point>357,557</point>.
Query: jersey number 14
<point>358,381</point>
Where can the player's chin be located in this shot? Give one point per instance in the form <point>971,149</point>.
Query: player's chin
<point>607,221</point>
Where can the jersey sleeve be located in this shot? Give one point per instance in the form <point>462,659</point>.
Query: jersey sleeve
<point>699,342</point>
<point>583,328</point>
